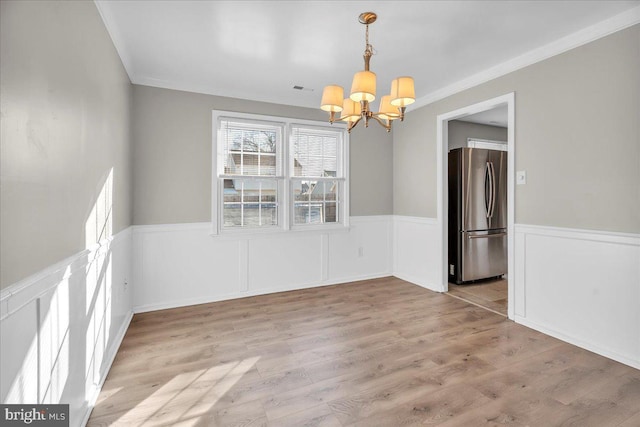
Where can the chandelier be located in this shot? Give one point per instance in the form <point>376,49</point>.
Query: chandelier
<point>355,108</point>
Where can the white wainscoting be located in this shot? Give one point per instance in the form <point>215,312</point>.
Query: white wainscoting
<point>182,264</point>
<point>416,246</point>
<point>60,329</point>
<point>582,287</point>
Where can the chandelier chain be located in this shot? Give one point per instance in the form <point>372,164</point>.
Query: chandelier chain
<point>368,49</point>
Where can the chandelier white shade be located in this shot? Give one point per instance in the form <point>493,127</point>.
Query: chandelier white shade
<point>332,98</point>
<point>363,87</point>
<point>402,92</point>
<point>350,110</point>
<point>355,108</point>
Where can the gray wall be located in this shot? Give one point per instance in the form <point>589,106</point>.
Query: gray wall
<point>65,103</point>
<point>577,134</point>
<point>459,131</point>
<point>172,137</point>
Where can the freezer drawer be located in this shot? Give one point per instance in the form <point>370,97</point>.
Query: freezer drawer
<point>484,254</point>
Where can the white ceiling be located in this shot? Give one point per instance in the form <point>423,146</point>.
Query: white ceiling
<point>260,49</point>
<point>494,117</point>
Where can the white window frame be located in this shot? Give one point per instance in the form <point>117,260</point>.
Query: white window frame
<point>284,177</point>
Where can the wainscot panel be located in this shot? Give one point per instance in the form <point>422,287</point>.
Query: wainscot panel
<point>183,264</point>
<point>416,247</point>
<point>61,328</point>
<point>582,287</point>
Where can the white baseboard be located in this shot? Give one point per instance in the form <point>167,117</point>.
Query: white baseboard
<point>602,351</point>
<point>111,357</point>
<point>196,301</point>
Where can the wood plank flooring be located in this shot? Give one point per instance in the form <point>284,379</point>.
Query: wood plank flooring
<point>373,353</point>
<point>490,294</point>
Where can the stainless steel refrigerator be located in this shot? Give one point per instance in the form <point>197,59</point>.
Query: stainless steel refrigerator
<point>477,214</point>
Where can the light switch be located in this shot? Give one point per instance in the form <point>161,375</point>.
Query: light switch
<point>521,177</point>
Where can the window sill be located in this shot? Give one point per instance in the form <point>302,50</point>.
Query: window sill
<point>270,233</point>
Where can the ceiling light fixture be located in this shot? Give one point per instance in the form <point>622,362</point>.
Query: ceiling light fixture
<point>363,92</point>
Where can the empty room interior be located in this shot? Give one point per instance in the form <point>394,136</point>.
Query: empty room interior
<point>315,213</point>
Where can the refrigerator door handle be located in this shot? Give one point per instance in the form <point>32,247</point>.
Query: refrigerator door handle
<point>493,189</point>
<point>483,236</point>
<point>487,190</point>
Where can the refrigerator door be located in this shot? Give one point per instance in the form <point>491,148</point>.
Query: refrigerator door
<point>484,254</point>
<point>483,202</point>
<point>497,161</point>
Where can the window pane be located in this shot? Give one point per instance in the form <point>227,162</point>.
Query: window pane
<point>331,212</point>
<point>249,149</point>
<point>315,202</point>
<point>232,215</point>
<point>250,202</point>
<point>315,153</point>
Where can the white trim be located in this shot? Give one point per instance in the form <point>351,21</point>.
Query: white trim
<point>20,298</point>
<point>416,219</point>
<point>593,267</point>
<point>486,144</point>
<point>632,239</point>
<point>416,280</point>
<point>117,342</point>
<point>189,273</point>
<point>157,228</point>
<point>602,29</point>
<point>413,250</point>
<point>254,233</point>
<point>29,289</point>
<point>441,142</point>
<point>577,342</point>
<point>236,295</point>
<point>117,39</point>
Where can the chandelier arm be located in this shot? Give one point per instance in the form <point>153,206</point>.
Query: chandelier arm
<point>353,124</point>
<point>402,109</point>
<point>384,123</point>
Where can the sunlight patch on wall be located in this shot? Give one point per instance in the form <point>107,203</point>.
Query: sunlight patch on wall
<point>99,223</point>
<point>54,342</point>
<point>98,228</point>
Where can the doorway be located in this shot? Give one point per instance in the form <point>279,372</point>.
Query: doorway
<point>501,111</point>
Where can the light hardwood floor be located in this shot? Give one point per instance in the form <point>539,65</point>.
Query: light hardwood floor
<point>491,294</point>
<point>373,353</point>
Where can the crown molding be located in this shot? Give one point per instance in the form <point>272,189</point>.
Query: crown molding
<point>116,39</point>
<point>597,31</point>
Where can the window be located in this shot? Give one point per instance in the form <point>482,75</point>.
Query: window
<point>315,184</point>
<point>249,165</point>
<point>275,173</point>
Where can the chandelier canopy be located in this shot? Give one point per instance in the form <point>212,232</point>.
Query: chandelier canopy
<point>355,108</point>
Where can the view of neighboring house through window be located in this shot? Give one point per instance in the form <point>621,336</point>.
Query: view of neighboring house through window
<point>257,188</point>
<point>314,183</point>
<point>250,158</point>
